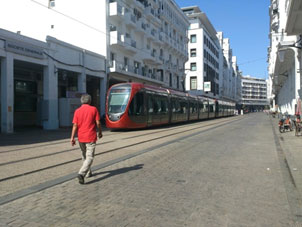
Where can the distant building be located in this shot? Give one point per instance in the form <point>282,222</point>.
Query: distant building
<point>211,69</point>
<point>229,71</point>
<point>253,93</point>
<point>204,50</point>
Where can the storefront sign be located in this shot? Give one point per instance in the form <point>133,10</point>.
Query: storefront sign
<point>24,49</point>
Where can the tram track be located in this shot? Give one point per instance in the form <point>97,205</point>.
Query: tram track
<point>47,183</point>
<point>104,152</point>
<point>98,143</point>
<point>113,133</point>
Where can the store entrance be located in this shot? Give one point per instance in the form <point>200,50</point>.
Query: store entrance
<point>28,94</point>
<point>93,89</point>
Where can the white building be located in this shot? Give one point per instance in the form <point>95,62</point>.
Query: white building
<point>253,93</point>
<point>229,71</point>
<point>210,59</point>
<point>284,54</point>
<point>143,41</point>
<point>147,42</point>
<point>202,67</point>
<point>40,81</point>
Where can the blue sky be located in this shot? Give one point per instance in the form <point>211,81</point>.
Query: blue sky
<point>246,24</point>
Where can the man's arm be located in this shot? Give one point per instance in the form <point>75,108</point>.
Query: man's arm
<point>98,125</point>
<point>73,132</point>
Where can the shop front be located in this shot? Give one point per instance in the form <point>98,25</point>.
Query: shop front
<point>36,76</point>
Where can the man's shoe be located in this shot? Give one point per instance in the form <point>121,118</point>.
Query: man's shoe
<point>81,179</point>
<point>89,174</point>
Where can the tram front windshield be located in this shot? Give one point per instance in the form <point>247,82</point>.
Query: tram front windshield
<point>118,99</point>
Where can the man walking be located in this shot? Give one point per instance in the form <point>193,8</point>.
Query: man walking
<point>85,120</point>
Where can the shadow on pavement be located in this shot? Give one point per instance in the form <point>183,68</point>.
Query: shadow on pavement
<point>112,173</point>
<point>32,135</point>
<point>23,136</point>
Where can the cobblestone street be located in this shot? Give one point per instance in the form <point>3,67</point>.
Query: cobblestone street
<point>207,179</point>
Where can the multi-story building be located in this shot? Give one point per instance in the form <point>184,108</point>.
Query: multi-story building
<point>253,93</point>
<point>148,42</point>
<point>229,71</point>
<point>211,69</point>
<point>202,68</point>
<point>124,40</point>
<point>284,55</point>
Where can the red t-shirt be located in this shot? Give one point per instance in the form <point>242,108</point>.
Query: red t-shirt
<point>85,117</point>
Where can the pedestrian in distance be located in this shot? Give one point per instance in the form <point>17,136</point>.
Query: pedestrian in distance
<point>85,121</point>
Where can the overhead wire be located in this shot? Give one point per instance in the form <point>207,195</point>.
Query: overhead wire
<point>108,34</point>
<point>95,29</point>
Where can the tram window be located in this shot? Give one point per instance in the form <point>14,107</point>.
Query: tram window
<point>211,108</point>
<point>183,107</point>
<point>155,105</point>
<point>137,104</point>
<point>118,99</point>
<point>175,106</point>
<point>150,105</point>
<point>195,107</point>
<point>163,104</point>
<point>201,106</point>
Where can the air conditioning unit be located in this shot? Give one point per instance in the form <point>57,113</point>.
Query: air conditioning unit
<point>51,3</point>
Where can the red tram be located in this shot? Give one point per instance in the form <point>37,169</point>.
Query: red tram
<point>136,105</point>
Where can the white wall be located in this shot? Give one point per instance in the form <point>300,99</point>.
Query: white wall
<point>75,22</point>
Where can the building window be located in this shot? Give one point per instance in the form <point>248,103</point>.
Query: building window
<point>193,39</point>
<point>193,83</point>
<point>136,67</point>
<point>193,66</point>
<point>112,56</point>
<point>193,52</point>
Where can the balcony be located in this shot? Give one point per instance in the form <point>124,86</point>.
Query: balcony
<point>116,11</point>
<point>275,23</point>
<point>150,33</point>
<point>116,39</point>
<point>116,67</point>
<point>158,39</point>
<point>141,72</point>
<point>130,20</point>
<point>151,14</point>
<point>150,58</point>
<point>123,42</point>
<point>141,26</point>
<point>130,45</point>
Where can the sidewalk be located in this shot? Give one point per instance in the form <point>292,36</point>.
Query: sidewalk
<point>292,148</point>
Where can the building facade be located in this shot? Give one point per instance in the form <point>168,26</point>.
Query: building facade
<point>202,68</point>
<point>212,69</point>
<point>284,55</point>
<point>40,82</point>
<point>253,93</point>
<point>89,47</point>
<point>148,42</point>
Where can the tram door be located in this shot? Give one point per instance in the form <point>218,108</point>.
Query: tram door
<point>149,109</point>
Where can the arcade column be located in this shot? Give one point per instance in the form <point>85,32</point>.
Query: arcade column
<point>50,97</point>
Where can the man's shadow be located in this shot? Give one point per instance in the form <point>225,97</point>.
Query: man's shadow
<point>112,173</point>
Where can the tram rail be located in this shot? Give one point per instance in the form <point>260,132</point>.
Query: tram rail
<point>103,143</point>
<point>194,130</point>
